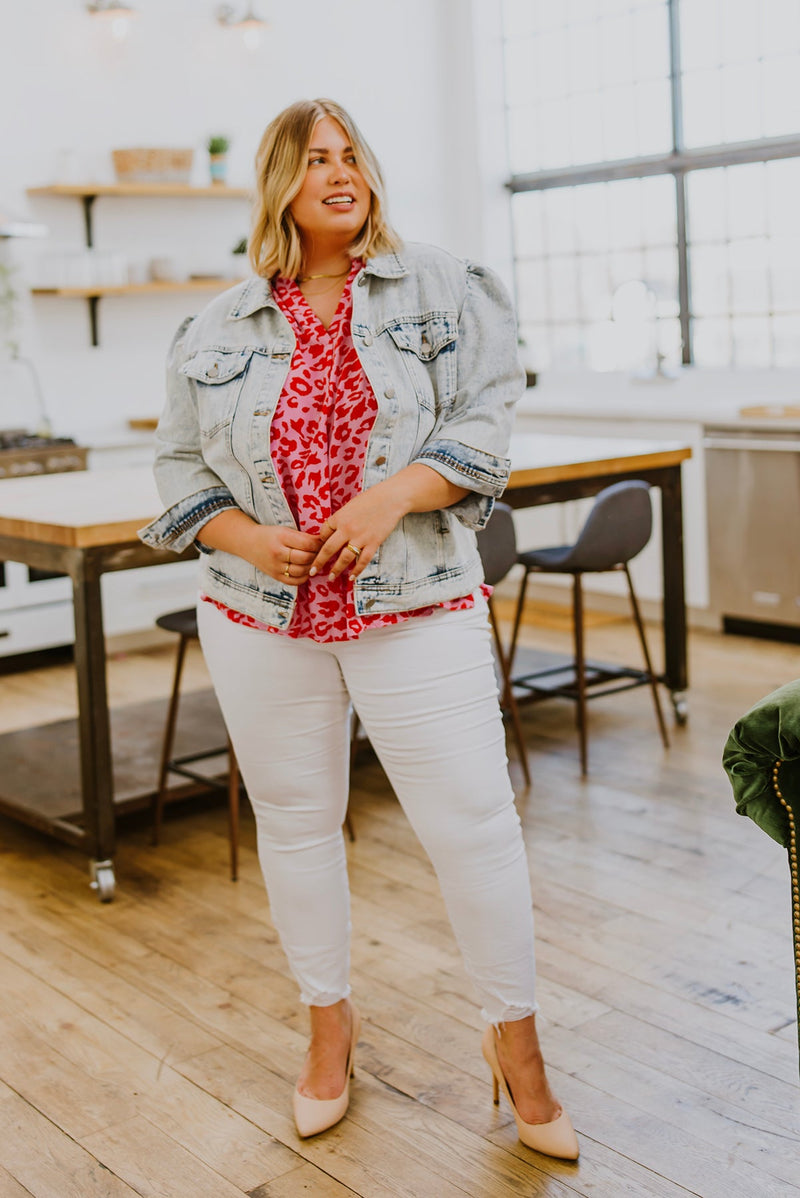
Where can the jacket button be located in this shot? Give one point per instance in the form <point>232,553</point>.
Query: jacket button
<point>213,370</point>
<point>425,344</point>
<point>389,393</point>
<point>369,603</point>
<point>362,281</point>
<point>368,339</point>
<point>380,461</point>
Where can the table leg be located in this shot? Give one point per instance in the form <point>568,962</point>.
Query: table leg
<point>94,723</point>
<point>675,651</point>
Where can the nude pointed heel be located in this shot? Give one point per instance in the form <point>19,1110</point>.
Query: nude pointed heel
<point>556,1138</point>
<point>313,1115</point>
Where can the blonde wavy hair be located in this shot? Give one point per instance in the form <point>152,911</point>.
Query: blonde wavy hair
<point>275,246</point>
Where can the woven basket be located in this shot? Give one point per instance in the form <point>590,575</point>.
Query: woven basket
<point>153,165</point>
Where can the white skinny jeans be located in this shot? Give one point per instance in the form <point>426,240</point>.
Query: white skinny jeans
<point>426,696</point>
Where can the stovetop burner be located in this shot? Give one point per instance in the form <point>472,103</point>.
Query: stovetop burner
<point>20,438</point>
<point>23,453</point>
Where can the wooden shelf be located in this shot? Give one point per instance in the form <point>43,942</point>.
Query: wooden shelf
<point>79,190</point>
<point>87,193</point>
<point>209,284</point>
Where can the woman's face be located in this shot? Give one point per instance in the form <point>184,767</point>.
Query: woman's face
<point>334,199</point>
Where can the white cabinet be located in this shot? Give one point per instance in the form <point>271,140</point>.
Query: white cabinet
<point>559,524</point>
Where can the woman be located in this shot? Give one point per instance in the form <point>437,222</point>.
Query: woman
<point>335,429</point>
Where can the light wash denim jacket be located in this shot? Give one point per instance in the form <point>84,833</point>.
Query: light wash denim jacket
<point>437,339</point>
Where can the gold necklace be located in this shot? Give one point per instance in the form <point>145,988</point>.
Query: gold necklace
<point>308,278</point>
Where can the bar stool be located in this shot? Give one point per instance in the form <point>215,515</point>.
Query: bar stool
<point>617,528</point>
<point>184,623</point>
<point>497,546</point>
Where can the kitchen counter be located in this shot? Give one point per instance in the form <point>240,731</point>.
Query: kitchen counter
<point>749,399</point>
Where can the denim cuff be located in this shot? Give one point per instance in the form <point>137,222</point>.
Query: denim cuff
<point>180,524</point>
<point>467,467</point>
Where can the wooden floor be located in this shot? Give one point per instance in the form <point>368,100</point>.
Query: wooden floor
<point>149,1046</point>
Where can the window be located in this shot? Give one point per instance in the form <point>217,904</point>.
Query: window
<point>655,156</point>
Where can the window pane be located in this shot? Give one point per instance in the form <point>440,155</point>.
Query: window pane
<point>563,288</point>
<point>596,75</point>
<point>535,342</point>
<point>784,269</point>
<point>602,289</point>
<point>785,339</point>
<point>559,218</point>
<point>527,212</point>
<point>710,284</point>
<point>781,98</point>
<point>711,342</point>
<point>783,188</point>
<point>741,102</point>
<point>740,72</point>
<point>700,34</point>
<point>586,127</point>
<point>702,108</point>
<point>708,210</point>
<point>744,257</point>
<point>532,302</point>
<point>591,217</point>
<point>749,276</point>
<point>524,146</point>
<point>752,345</point>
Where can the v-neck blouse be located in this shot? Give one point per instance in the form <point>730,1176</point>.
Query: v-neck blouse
<point>318,445</point>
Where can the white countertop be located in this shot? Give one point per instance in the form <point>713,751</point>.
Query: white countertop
<point>708,397</point>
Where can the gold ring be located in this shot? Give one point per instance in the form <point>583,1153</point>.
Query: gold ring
<point>354,549</point>
<point>286,571</point>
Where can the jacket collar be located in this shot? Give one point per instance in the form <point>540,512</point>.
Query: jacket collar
<point>257,292</point>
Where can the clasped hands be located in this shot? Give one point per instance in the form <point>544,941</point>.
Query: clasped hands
<point>347,541</point>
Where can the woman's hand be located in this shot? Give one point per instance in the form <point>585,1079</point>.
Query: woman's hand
<point>283,553</point>
<point>352,535</point>
<point>277,550</point>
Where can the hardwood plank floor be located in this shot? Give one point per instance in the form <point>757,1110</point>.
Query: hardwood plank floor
<point>149,1046</point>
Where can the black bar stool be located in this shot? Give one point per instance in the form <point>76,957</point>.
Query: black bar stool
<point>184,623</point>
<point>497,545</point>
<point>617,528</point>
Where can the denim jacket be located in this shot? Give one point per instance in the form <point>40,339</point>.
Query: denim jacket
<point>437,339</point>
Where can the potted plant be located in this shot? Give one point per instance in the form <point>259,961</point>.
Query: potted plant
<point>239,254</point>
<point>217,147</point>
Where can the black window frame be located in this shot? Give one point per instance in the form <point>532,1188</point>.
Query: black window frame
<point>678,162</point>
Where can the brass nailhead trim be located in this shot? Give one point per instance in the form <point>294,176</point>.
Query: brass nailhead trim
<point>793,871</point>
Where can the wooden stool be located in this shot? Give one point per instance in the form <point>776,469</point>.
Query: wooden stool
<point>184,623</point>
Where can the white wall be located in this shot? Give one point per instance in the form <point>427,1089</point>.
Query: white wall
<point>404,68</point>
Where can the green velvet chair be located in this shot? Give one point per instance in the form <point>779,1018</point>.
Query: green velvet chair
<point>762,760</point>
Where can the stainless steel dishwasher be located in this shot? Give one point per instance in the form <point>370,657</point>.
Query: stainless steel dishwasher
<point>753,501</point>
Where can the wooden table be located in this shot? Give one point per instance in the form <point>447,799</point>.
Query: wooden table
<point>85,524</point>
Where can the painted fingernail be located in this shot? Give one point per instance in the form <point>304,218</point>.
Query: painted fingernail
<point>312,571</point>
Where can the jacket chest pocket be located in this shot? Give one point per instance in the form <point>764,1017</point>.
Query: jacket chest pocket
<point>219,376</point>
<point>428,347</point>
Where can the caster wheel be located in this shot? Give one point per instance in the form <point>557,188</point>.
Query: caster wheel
<point>103,880</point>
<point>680,706</point>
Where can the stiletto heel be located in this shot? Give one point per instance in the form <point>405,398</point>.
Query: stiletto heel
<point>495,1091</point>
<point>556,1138</point>
<point>313,1115</point>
